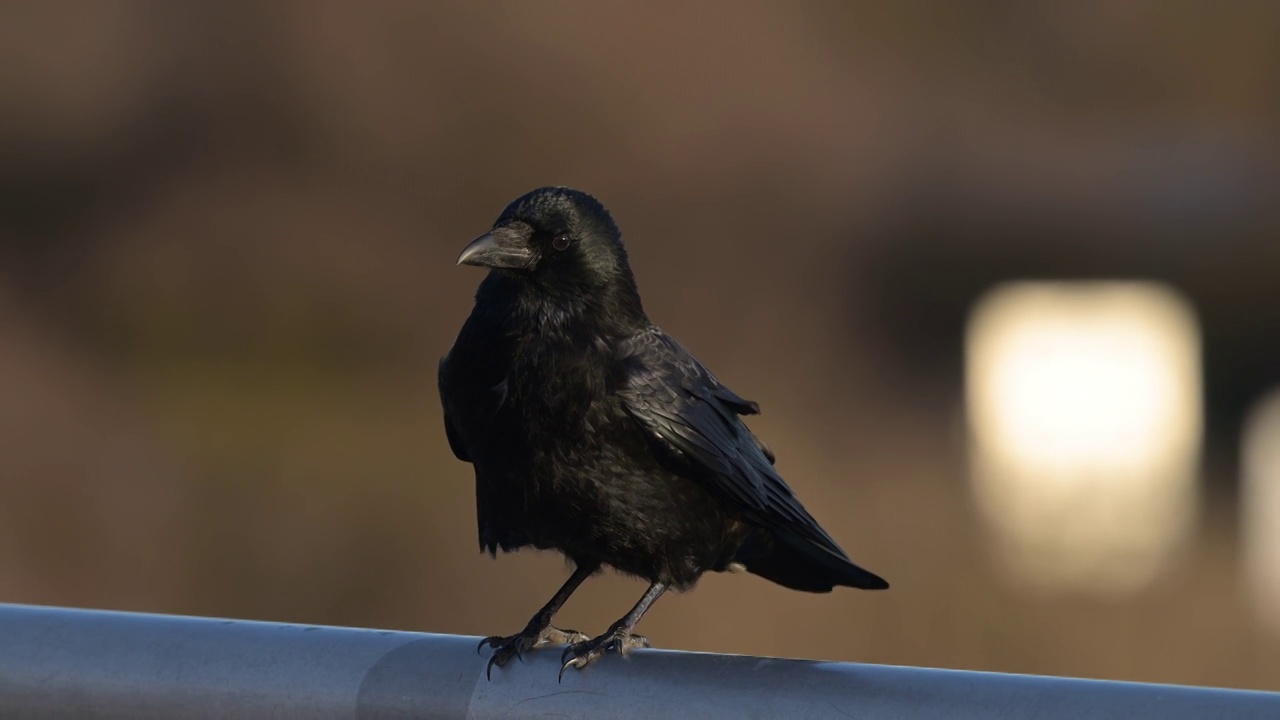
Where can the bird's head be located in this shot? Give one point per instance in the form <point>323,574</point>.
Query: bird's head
<point>555,237</point>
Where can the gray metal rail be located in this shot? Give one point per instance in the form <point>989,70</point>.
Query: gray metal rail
<point>65,663</point>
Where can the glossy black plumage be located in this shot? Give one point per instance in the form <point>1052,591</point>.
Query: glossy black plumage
<point>594,433</point>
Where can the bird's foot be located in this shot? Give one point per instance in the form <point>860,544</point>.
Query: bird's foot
<point>618,639</point>
<point>507,647</point>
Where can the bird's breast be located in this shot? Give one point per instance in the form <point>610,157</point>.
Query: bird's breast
<point>544,399</point>
<point>561,402</point>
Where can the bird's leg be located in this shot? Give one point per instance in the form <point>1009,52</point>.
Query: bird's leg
<point>539,631</point>
<point>617,638</point>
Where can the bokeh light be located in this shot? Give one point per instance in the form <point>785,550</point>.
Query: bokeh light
<point>1084,407</point>
<point>1260,508</point>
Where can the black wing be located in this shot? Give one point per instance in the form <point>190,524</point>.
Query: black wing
<point>472,383</point>
<point>694,419</point>
<point>450,432</point>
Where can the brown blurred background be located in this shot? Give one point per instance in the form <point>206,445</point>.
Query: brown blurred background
<point>227,243</point>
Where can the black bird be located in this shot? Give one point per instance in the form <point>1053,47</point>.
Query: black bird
<point>594,433</point>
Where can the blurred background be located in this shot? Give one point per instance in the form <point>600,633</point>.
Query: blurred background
<point>1001,274</point>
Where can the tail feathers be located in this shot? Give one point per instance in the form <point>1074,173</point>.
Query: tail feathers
<point>796,563</point>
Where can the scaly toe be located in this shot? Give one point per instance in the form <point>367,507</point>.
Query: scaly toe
<point>492,641</point>
<point>629,642</point>
<point>505,648</point>
<point>555,636</point>
<point>581,654</point>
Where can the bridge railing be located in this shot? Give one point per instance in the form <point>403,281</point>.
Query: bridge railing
<point>67,663</point>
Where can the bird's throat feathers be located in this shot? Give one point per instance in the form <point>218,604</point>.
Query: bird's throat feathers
<point>527,306</point>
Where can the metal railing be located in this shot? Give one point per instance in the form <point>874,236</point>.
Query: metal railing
<point>66,663</point>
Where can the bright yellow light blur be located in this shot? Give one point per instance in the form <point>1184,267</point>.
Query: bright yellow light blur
<point>1260,508</point>
<point>1084,410</point>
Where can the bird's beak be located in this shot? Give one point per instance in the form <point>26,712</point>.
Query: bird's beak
<point>502,247</point>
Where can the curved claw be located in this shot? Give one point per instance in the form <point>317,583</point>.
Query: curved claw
<point>502,654</point>
<point>573,662</point>
<point>581,654</point>
<point>505,648</point>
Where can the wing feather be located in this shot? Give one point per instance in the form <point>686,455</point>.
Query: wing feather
<point>694,421</point>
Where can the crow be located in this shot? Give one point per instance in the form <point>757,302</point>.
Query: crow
<point>594,433</point>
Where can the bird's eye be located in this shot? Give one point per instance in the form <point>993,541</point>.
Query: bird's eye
<point>561,241</point>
